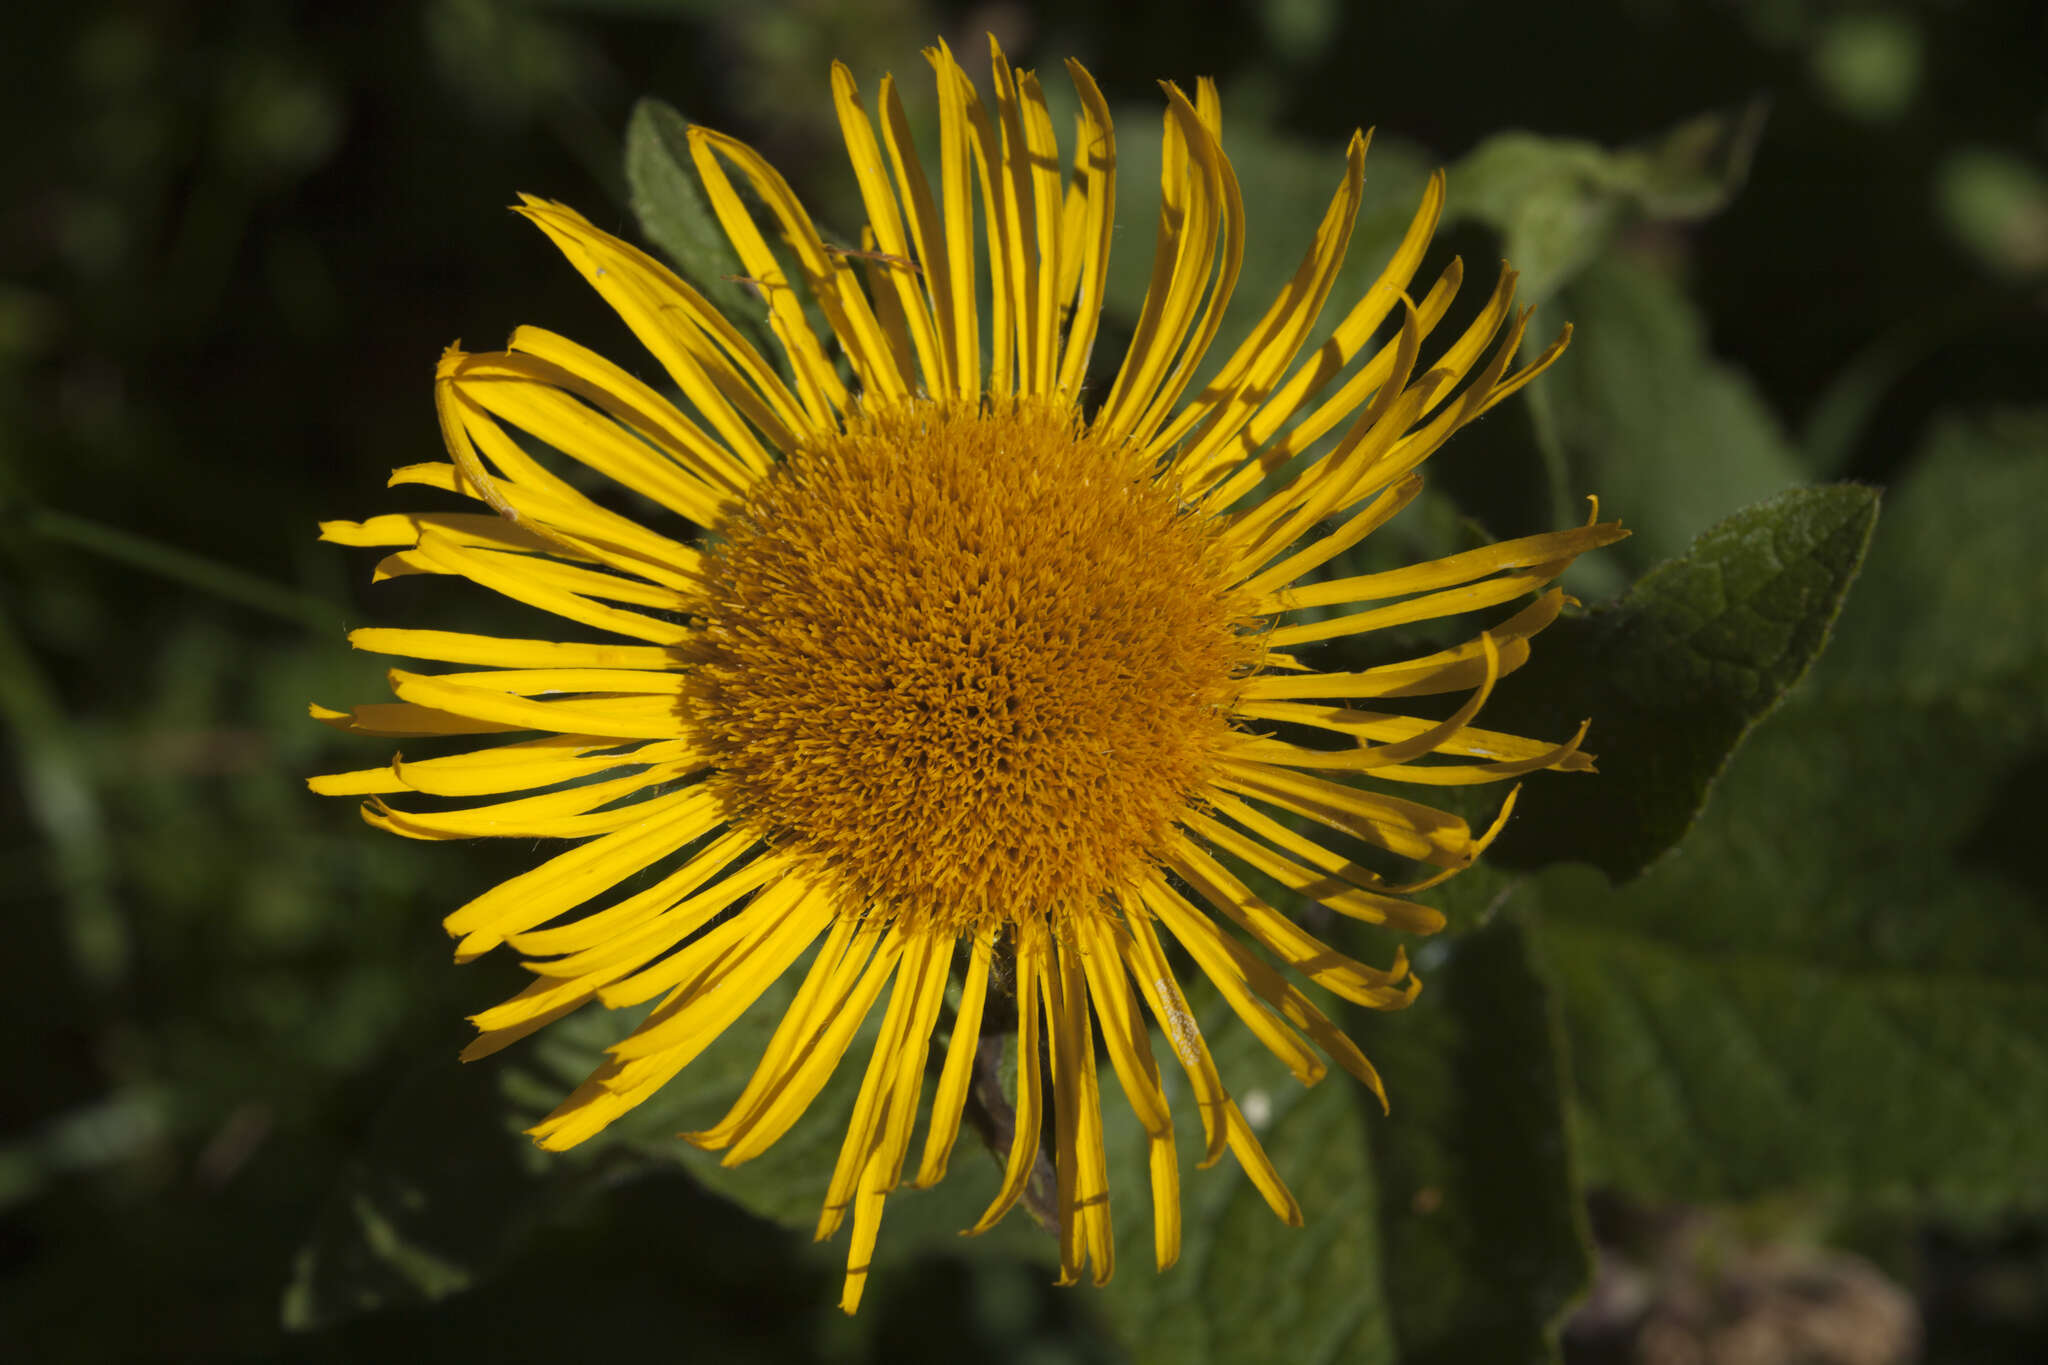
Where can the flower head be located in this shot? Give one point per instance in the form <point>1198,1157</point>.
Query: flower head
<point>959,672</point>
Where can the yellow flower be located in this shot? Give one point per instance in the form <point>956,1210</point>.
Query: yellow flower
<point>954,672</point>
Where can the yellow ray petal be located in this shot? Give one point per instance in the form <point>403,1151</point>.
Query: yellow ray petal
<point>438,553</point>
<point>399,720</point>
<point>1413,831</point>
<point>506,575</point>
<point>626,717</point>
<point>1025,223</point>
<point>1364,897</point>
<point>944,239</point>
<point>568,879</point>
<point>359,782</point>
<point>757,1131</point>
<point>1091,1186</point>
<point>883,1167</point>
<point>533,1009</point>
<point>1206,153</point>
<point>1130,1054</point>
<point>611,956</point>
<point>1032,952</point>
<point>718,370</point>
<point>809,1011</point>
<point>463,528</point>
<point>619,1086</point>
<point>539,682</point>
<point>1371,759</point>
<point>532,394</point>
<point>1204,943</point>
<point>884,275</point>
<point>1300,1011</point>
<point>578,530</point>
<point>521,766</point>
<point>961,111</point>
<point>706,967</point>
<point>1066,1013</point>
<point>528,496</point>
<point>1526,552</point>
<point>1419,445</point>
<point>1248,377</point>
<point>1471,742</point>
<point>1200,211</point>
<point>1250,1155</point>
<point>590,937</point>
<point>572,813</point>
<point>1299,949</point>
<point>1333,482</point>
<point>1290,403</point>
<point>951,1097</point>
<point>830,282</point>
<point>1447,670</point>
<point>1560,756</point>
<point>455,647</point>
<point>1491,592</point>
<point>865,1132</point>
<point>684,910</point>
<point>886,222</point>
<point>529,764</point>
<point>1148,964</point>
<point>1095,170</point>
<point>636,405</point>
<point>1356,527</point>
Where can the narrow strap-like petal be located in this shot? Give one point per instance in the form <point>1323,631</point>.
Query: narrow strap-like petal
<point>949,1101</point>
<point>886,221</point>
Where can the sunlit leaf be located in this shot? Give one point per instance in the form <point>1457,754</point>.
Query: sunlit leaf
<point>1675,674</point>
<point>1837,983</point>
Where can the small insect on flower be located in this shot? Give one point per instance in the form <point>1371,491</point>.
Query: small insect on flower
<point>917,661</point>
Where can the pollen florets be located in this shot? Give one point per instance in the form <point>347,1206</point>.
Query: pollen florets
<point>972,663</point>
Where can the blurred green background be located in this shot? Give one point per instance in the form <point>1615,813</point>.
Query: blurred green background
<point>233,240</point>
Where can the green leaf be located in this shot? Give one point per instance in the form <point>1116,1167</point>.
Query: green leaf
<point>661,181</point>
<point>1640,413</point>
<point>1676,673</point>
<point>1484,1234</point>
<point>1448,1231</point>
<point>1841,983</point>
<point>1559,202</point>
<point>1813,995</point>
<point>1956,602</point>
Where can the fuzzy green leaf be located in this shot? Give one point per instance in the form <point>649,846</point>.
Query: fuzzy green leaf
<point>1676,673</point>
<point>1839,983</point>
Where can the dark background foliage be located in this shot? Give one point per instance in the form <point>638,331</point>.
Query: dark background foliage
<point>233,239</point>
